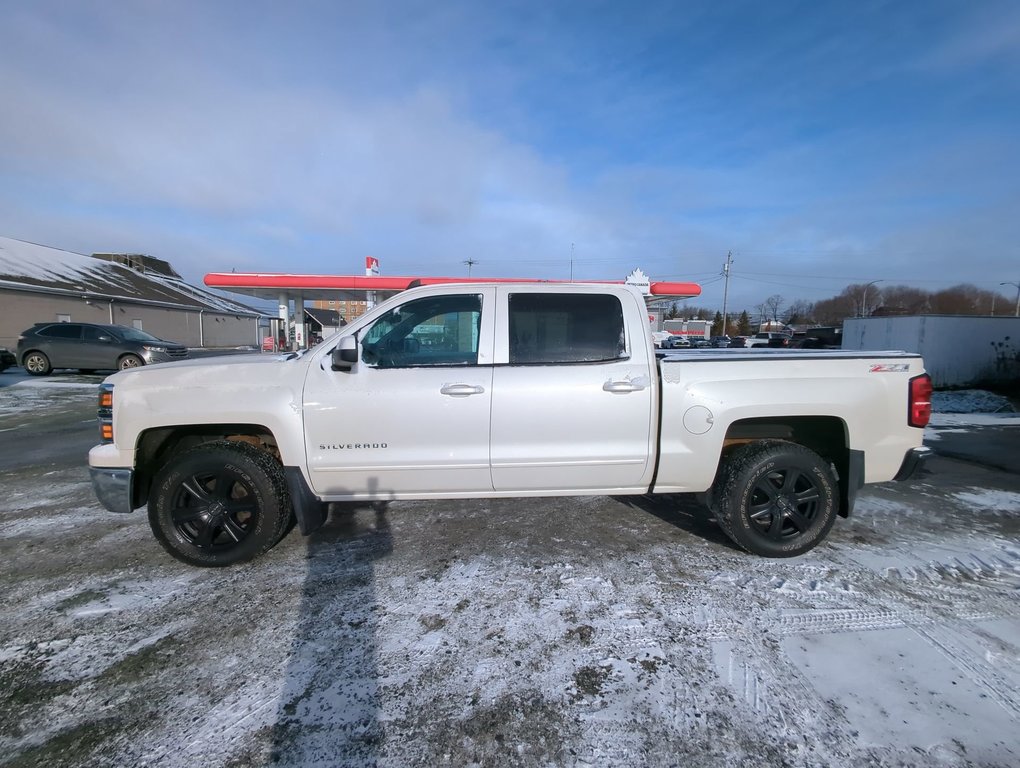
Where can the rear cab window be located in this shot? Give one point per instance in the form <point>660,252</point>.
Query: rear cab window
<point>556,328</point>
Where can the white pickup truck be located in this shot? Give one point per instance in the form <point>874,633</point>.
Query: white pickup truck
<point>495,390</point>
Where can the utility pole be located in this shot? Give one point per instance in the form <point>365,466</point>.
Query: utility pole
<point>470,263</point>
<point>726,289</point>
<point>571,262</point>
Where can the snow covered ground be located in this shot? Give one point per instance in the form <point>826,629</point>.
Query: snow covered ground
<point>542,632</point>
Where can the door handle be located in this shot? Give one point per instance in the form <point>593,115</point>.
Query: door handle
<point>624,386</point>
<point>461,390</point>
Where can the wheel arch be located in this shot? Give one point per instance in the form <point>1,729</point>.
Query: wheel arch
<point>27,352</point>
<point>121,357</point>
<point>156,446</point>
<point>828,436</point>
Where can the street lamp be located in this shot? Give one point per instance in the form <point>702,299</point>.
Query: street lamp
<point>864,298</point>
<point>1017,312</point>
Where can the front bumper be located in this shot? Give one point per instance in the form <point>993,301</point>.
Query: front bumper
<point>113,487</point>
<point>913,462</point>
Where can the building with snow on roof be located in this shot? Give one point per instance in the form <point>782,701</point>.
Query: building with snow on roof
<point>42,284</point>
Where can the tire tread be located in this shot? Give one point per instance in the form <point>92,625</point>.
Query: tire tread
<point>733,473</point>
<point>272,472</point>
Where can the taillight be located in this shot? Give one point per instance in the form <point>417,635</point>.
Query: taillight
<point>105,413</point>
<point>919,413</point>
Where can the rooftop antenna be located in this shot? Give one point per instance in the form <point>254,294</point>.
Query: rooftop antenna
<point>470,263</point>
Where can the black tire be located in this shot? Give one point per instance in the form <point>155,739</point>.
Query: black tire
<point>130,361</point>
<point>220,504</point>
<point>36,363</point>
<point>775,498</point>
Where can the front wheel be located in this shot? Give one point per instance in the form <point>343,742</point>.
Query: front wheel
<point>37,364</point>
<point>220,504</point>
<point>775,498</point>
<point>130,361</point>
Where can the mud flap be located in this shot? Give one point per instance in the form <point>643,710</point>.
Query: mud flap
<point>310,511</point>
<point>851,483</point>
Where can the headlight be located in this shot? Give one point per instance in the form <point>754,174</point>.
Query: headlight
<point>105,413</point>
<point>152,348</point>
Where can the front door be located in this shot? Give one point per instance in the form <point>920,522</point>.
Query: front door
<point>412,415</point>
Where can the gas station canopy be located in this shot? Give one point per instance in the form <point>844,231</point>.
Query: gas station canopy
<point>371,287</point>
<point>271,285</point>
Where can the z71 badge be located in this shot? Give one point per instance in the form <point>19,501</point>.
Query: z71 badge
<point>890,368</point>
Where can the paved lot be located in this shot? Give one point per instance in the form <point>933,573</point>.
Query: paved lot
<point>549,632</point>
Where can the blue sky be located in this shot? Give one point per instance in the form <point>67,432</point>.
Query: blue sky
<point>822,143</point>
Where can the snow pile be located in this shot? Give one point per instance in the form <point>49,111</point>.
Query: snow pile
<point>970,401</point>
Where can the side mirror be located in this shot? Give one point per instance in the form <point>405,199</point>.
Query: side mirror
<point>345,354</point>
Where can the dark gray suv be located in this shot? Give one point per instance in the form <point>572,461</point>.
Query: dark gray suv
<point>91,347</point>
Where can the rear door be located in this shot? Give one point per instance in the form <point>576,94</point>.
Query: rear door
<point>573,399</point>
<point>61,343</point>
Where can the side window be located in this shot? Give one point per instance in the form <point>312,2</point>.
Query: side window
<point>62,331</point>
<point>94,334</point>
<point>437,330</point>
<point>566,328</point>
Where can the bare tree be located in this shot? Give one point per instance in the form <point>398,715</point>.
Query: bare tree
<point>800,312</point>
<point>833,311</point>
<point>773,304</point>
<point>962,300</point>
<point>904,300</point>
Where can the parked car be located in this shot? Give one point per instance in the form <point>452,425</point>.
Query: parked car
<point>676,342</point>
<point>719,342</point>
<point>7,359</point>
<point>658,337</point>
<point>91,347</point>
<point>769,339</point>
<point>738,341</point>
<point>823,337</point>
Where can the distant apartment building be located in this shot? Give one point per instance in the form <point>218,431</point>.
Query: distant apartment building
<point>347,309</point>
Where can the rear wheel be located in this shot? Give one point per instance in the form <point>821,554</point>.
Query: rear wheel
<point>775,498</point>
<point>219,504</point>
<point>130,361</point>
<point>37,364</point>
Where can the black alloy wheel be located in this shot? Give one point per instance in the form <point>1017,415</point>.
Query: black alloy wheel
<point>776,498</point>
<point>219,504</point>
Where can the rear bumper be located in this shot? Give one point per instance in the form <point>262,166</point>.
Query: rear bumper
<point>913,462</point>
<point>113,487</point>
